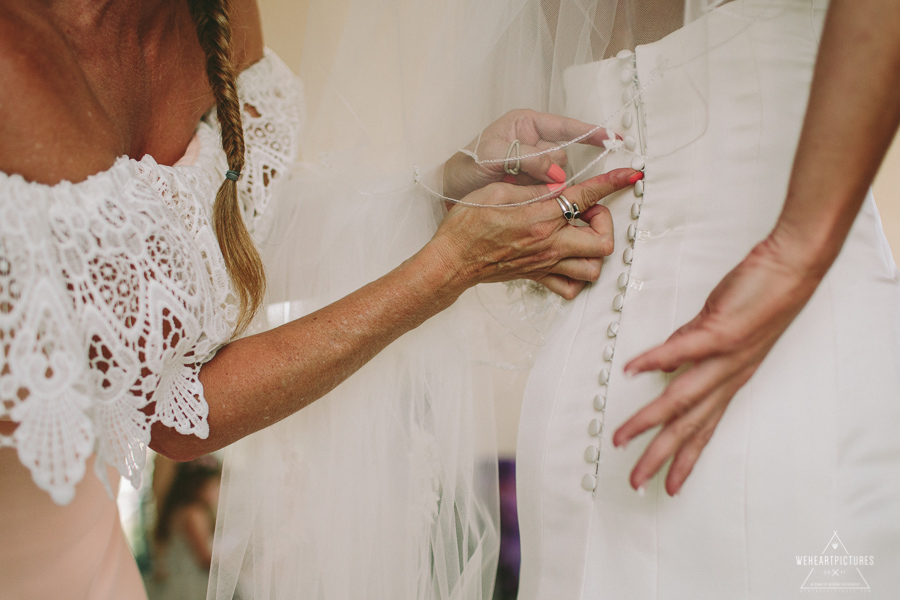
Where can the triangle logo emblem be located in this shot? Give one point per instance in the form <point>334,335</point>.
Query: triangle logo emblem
<point>835,569</point>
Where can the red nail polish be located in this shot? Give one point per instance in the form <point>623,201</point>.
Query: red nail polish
<point>556,187</point>
<point>636,177</point>
<point>556,173</point>
<point>509,179</point>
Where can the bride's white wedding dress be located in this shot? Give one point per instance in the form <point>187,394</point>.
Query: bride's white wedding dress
<point>807,455</point>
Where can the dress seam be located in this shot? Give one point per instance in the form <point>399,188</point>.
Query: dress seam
<point>562,379</point>
<point>750,394</point>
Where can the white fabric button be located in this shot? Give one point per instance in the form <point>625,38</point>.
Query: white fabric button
<point>627,76</point>
<point>627,120</point>
<point>638,163</point>
<point>618,302</point>
<point>624,54</point>
<point>635,210</point>
<point>608,353</point>
<point>592,454</point>
<point>589,482</point>
<point>639,188</point>
<point>628,255</point>
<point>632,232</point>
<point>630,142</point>
<point>600,402</point>
<point>622,281</point>
<point>595,428</point>
<point>613,329</point>
<point>603,378</point>
<point>626,98</point>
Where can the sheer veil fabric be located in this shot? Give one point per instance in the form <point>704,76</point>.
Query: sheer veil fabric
<point>387,487</point>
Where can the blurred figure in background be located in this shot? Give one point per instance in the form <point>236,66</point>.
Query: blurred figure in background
<point>183,535</point>
<point>507,587</point>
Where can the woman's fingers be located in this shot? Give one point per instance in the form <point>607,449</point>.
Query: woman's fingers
<point>688,411</point>
<point>562,285</point>
<point>678,398</point>
<point>684,406</point>
<point>686,456</point>
<point>535,164</point>
<point>542,168</point>
<point>685,438</point>
<point>580,269</point>
<point>587,242</point>
<point>563,129</point>
<point>590,192</point>
<point>690,343</point>
<point>585,194</point>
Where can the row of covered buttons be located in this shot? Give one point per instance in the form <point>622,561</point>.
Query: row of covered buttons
<point>595,427</point>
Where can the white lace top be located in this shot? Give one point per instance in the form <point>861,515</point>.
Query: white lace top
<point>113,292</point>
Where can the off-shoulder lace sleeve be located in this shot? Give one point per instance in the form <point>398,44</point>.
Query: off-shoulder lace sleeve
<point>113,293</point>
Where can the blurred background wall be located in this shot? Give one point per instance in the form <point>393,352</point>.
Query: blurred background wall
<point>284,22</point>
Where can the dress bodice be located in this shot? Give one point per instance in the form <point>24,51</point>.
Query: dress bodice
<point>803,449</point>
<point>114,292</point>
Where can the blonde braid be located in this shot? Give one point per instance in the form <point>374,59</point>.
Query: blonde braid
<point>241,256</point>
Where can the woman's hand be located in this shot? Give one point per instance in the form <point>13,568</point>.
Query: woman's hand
<point>533,241</point>
<point>536,132</point>
<point>720,349</point>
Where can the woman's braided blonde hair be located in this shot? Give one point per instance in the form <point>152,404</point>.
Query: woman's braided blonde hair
<point>244,264</point>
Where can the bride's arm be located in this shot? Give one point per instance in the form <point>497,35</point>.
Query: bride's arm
<point>853,113</point>
<point>256,381</point>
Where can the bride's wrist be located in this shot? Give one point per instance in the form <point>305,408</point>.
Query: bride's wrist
<point>813,226</point>
<point>808,255</point>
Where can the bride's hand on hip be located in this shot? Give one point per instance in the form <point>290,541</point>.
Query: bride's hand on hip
<point>497,153</point>
<point>490,242</point>
<point>719,350</point>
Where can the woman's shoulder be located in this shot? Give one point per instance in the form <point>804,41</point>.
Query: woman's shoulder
<point>52,129</point>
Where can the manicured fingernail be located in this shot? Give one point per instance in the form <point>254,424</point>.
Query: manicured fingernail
<point>556,173</point>
<point>509,179</point>
<point>556,187</point>
<point>642,491</point>
<point>636,177</point>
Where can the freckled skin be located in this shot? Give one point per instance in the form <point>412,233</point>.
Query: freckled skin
<point>83,82</point>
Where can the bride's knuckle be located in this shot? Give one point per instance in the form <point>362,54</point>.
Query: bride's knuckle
<point>685,429</point>
<point>681,403</point>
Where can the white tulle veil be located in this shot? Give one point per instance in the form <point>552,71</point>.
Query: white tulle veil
<point>386,488</point>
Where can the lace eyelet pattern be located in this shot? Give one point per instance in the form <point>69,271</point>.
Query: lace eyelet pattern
<point>113,293</point>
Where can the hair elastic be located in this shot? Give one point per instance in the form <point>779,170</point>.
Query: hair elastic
<point>232,175</point>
